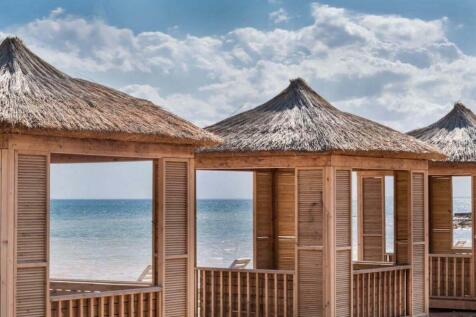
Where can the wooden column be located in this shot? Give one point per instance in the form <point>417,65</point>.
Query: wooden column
<point>473,232</point>
<point>441,214</point>
<point>175,232</point>
<point>371,220</point>
<point>7,234</point>
<point>310,219</point>
<point>411,235</point>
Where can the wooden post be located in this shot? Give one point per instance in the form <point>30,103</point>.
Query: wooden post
<point>7,244</point>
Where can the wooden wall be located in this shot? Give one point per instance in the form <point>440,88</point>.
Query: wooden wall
<point>441,214</point>
<point>174,230</point>
<point>310,243</point>
<point>372,218</point>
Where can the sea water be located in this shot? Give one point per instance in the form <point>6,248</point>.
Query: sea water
<point>111,239</point>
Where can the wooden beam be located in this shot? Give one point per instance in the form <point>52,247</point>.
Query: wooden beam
<point>61,145</point>
<point>73,158</point>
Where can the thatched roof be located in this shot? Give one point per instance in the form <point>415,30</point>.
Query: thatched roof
<point>36,98</point>
<point>300,120</point>
<point>454,134</point>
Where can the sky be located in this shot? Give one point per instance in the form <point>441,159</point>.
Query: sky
<point>402,63</point>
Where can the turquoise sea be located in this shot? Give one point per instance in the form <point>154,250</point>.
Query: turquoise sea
<point>111,239</point>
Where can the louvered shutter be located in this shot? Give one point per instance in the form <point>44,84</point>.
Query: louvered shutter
<point>419,244</point>
<point>32,235</point>
<point>285,222</point>
<point>441,214</point>
<point>176,204</point>
<point>372,222</point>
<point>263,219</point>
<point>310,218</point>
<point>343,227</point>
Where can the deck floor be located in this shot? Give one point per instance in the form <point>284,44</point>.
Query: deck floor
<point>452,314</point>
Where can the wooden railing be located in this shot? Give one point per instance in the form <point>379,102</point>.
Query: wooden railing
<point>381,292</point>
<point>450,275</point>
<point>240,292</point>
<point>104,299</point>
<point>389,257</point>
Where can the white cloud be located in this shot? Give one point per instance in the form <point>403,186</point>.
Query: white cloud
<point>56,12</point>
<point>403,72</point>
<point>279,16</point>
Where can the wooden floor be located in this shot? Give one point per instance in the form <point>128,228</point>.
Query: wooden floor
<point>452,314</point>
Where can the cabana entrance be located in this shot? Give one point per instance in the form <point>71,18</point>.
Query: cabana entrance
<point>451,264</point>
<point>303,245</point>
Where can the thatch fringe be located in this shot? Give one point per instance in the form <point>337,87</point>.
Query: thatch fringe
<point>36,98</point>
<point>454,134</point>
<point>300,120</point>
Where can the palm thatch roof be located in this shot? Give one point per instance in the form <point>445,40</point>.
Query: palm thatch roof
<point>36,98</point>
<point>300,120</point>
<point>454,134</point>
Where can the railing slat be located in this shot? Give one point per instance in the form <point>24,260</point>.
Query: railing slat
<point>448,275</point>
<point>246,292</point>
<point>380,291</point>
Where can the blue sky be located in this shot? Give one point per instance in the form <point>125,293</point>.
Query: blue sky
<point>402,63</point>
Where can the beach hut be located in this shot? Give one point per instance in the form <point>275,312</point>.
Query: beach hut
<point>49,117</point>
<point>302,152</point>
<point>452,264</point>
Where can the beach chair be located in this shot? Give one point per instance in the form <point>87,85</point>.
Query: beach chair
<point>146,275</point>
<point>240,263</point>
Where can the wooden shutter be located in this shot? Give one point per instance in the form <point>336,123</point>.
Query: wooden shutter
<point>441,214</point>
<point>402,221</point>
<point>372,219</point>
<point>419,244</point>
<point>32,236</point>
<point>343,240</point>
<point>310,218</point>
<point>176,222</point>
<point>285,223</point>
<point>263,219</point>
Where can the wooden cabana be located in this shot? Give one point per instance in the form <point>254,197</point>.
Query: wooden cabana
<point>302,152</point>
<point>452,268</point>
<point>49,117</point>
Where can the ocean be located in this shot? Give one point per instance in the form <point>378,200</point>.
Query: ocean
<point>111,239</point>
